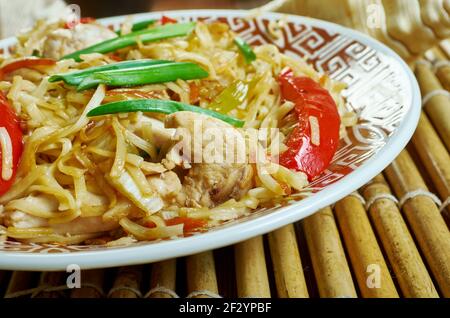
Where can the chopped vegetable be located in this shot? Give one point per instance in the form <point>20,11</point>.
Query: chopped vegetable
<point>313,143</point>
<point>231,97</point>
<point>150,203</point>
<point>138,26</point>
<point>10,123</point>
<point>158,106</point>
<point>84,20</point>
<point>115,57</point>
<point>246,50</point>
<point>25,63</point>
<point>194,93</point>
<point>189,224</point>
<point>167,20</point>
<point>145,36</point>
<point>75,78</point>
<point>158,73</point>
<point>36,53</point>
<point>150,224</point>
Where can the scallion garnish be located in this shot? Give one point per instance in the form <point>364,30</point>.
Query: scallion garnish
<point>159,106</point>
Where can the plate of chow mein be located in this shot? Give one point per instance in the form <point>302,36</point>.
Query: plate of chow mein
<point>136,139</point>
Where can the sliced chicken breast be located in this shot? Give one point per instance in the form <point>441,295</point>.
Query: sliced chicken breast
<point>210,183</point>
<point>62,42</point>
<point>80,225</point>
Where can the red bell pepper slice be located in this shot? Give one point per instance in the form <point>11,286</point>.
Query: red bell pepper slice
<point>87,20</point>
<point>9,120</point>
<point>310,99</point>
<point>115,57</point>
<point>166,20</point>
<point>194,93</point>
<point>190,224</point>
<point>83,20</point>
<point>25,63</point>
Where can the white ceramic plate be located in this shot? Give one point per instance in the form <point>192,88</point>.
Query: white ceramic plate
<point>381,89</point>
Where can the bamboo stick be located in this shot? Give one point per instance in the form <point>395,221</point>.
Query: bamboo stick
<point>429,57</point>
<point>434,156</point>
<point>409,269</point>
<point>438,58</point>
<point>127,283</point>
<point>424,219</point>
<point>420,167</point>
<point>438,107</point>
<point>327,255</point>
<point>445,46</point>
<point>163,279</point>
<point>439,54</point>
<point>51,279</point>
<point>371,271</point>
<point>443,74</point>
<point>251,270</point>
<point>201,275</point>
<point>91,284</point>
<point>21,281</point>
<point>287,265</point>
<point>416,36</point>
<point>308,269</point>
<point>225,270</point>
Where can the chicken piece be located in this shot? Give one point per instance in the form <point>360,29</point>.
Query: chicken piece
<point>94,224</point>
<point>22,220</point>
<point>80,225</point>
<point>210,183</point>
<point>161,135</point>
<point>62,42</point>
<point>46,203</point>
<point>167,185</point>
<point>201,139</point>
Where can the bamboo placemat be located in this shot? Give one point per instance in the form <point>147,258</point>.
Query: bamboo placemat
<point>389,239</point>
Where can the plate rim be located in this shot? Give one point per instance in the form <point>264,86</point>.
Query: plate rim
<point>132,255</point>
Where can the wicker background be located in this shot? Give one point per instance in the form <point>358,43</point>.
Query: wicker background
<point>392,227</point>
